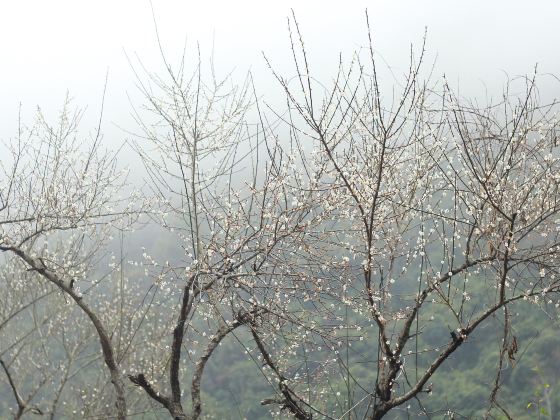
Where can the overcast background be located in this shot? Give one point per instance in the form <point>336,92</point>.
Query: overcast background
<point>51,47</point>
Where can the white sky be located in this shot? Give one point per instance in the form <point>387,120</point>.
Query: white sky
<point>49,47</point>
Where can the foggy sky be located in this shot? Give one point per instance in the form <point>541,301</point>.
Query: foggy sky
<point>49,48</point>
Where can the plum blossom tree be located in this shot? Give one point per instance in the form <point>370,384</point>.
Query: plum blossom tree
<point>330,235</point>
<point>58,205</point>
<point>225,192</point>
<point>435,205</point>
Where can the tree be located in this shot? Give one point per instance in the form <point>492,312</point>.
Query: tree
<point>59,206</point>
<point>222,190</point>
<point>433,202</point>
<point>349,244</point>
